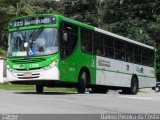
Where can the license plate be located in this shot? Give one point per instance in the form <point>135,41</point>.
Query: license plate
<point>27,75</point>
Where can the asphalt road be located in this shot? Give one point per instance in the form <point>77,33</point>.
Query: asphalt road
<point>23,102</point>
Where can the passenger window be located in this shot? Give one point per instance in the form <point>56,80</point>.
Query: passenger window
<point>129,52</point>
<point>119,50</point>
<point>152,58</point>
<point>109,46</point>
<point>86,40</point>
<point>98,44</point>
<point>68,39</point>
<point>146,57</point>
<point>137,55</point>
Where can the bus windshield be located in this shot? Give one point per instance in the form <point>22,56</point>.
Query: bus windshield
<point>35,42</point>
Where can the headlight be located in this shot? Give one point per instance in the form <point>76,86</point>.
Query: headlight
<point>51,65</point>
<point>11,70</point>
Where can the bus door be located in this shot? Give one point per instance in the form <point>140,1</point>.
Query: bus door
<point>68,43</point>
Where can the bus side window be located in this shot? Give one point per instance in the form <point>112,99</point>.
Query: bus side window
<point>98,44</point>
<point>129,52</point>
<point>109,46</point>
<point>68,39</point>
<point>146,57</point>
<point>119,50</point>
<point>137,55</point>
<point>86,40</point>
<point>152,58</point>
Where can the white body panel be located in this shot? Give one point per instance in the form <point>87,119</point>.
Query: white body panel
<point>41,74</point>
<point>118,73</point>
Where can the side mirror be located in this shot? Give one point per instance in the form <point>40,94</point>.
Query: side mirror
<point>65,37</point>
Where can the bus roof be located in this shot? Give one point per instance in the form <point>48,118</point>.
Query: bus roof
<point>89,27</point>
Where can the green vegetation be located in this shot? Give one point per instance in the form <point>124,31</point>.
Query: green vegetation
<point>3,53</point>
<point>136,19</point>
<point>7,86</point>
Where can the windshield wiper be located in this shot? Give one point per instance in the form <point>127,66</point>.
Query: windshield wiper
<point>32,38</point>
<point>35,34</point>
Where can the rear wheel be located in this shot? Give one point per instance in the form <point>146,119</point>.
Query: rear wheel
<point>82,82</point>
<point>157,89</point>
<point>39,88</point>
<point>134,86</point>
<point>133,90</point>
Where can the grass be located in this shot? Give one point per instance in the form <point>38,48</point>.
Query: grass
<point>8,86</point>
<point>3,53</point>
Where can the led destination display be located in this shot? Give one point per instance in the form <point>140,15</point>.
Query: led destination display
<point>32,21</point>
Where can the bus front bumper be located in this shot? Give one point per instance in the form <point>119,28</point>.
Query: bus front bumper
<point>33,75</point>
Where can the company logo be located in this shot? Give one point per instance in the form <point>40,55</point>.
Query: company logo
<point>21,66</point>
<point>104,63</point>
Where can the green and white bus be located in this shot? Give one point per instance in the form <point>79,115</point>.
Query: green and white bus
<point>52,50</point>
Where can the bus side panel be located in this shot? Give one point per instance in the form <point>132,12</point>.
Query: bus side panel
<point>71,66</point>
<point>146,82</point>
<point>118,73</point>
<point>88,61</point>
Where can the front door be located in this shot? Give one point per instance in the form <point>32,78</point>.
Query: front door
<point>68,43</point>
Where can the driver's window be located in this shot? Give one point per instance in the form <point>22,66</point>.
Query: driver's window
<point>68,39</point>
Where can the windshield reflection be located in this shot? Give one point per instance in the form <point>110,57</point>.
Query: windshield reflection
<point>34,42</point>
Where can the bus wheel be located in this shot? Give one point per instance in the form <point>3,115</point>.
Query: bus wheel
<point>134,86</point>
<point>157,89</point>
<point>39,88</point>
<point>133,90</point>
<point>82,82</point>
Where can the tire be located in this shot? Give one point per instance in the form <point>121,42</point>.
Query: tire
<point>82,82</point>
<point>134,86</point>
<point>133,90</point>
<point>157,89</point>
<point>39,88</point>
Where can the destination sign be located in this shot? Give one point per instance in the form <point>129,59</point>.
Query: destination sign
<point>32,21</point>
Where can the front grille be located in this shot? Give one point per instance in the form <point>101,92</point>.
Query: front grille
<point>27,77</point>
<point>34,75</point>
<point>29,69</point>
<point>27,60</point>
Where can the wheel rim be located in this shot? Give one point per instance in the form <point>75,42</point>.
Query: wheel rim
<point>134,87</point>
<point>82,82</point>
<point>83,76</point>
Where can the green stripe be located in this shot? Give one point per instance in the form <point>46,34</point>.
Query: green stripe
<point>125,73</point>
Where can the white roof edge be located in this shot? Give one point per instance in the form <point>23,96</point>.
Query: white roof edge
<point>123,38</point>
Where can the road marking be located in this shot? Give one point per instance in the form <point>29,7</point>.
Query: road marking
<point>142,98</point>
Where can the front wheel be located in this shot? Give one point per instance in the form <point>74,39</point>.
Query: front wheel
<point>39,88</point>
<point>82,82</point>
